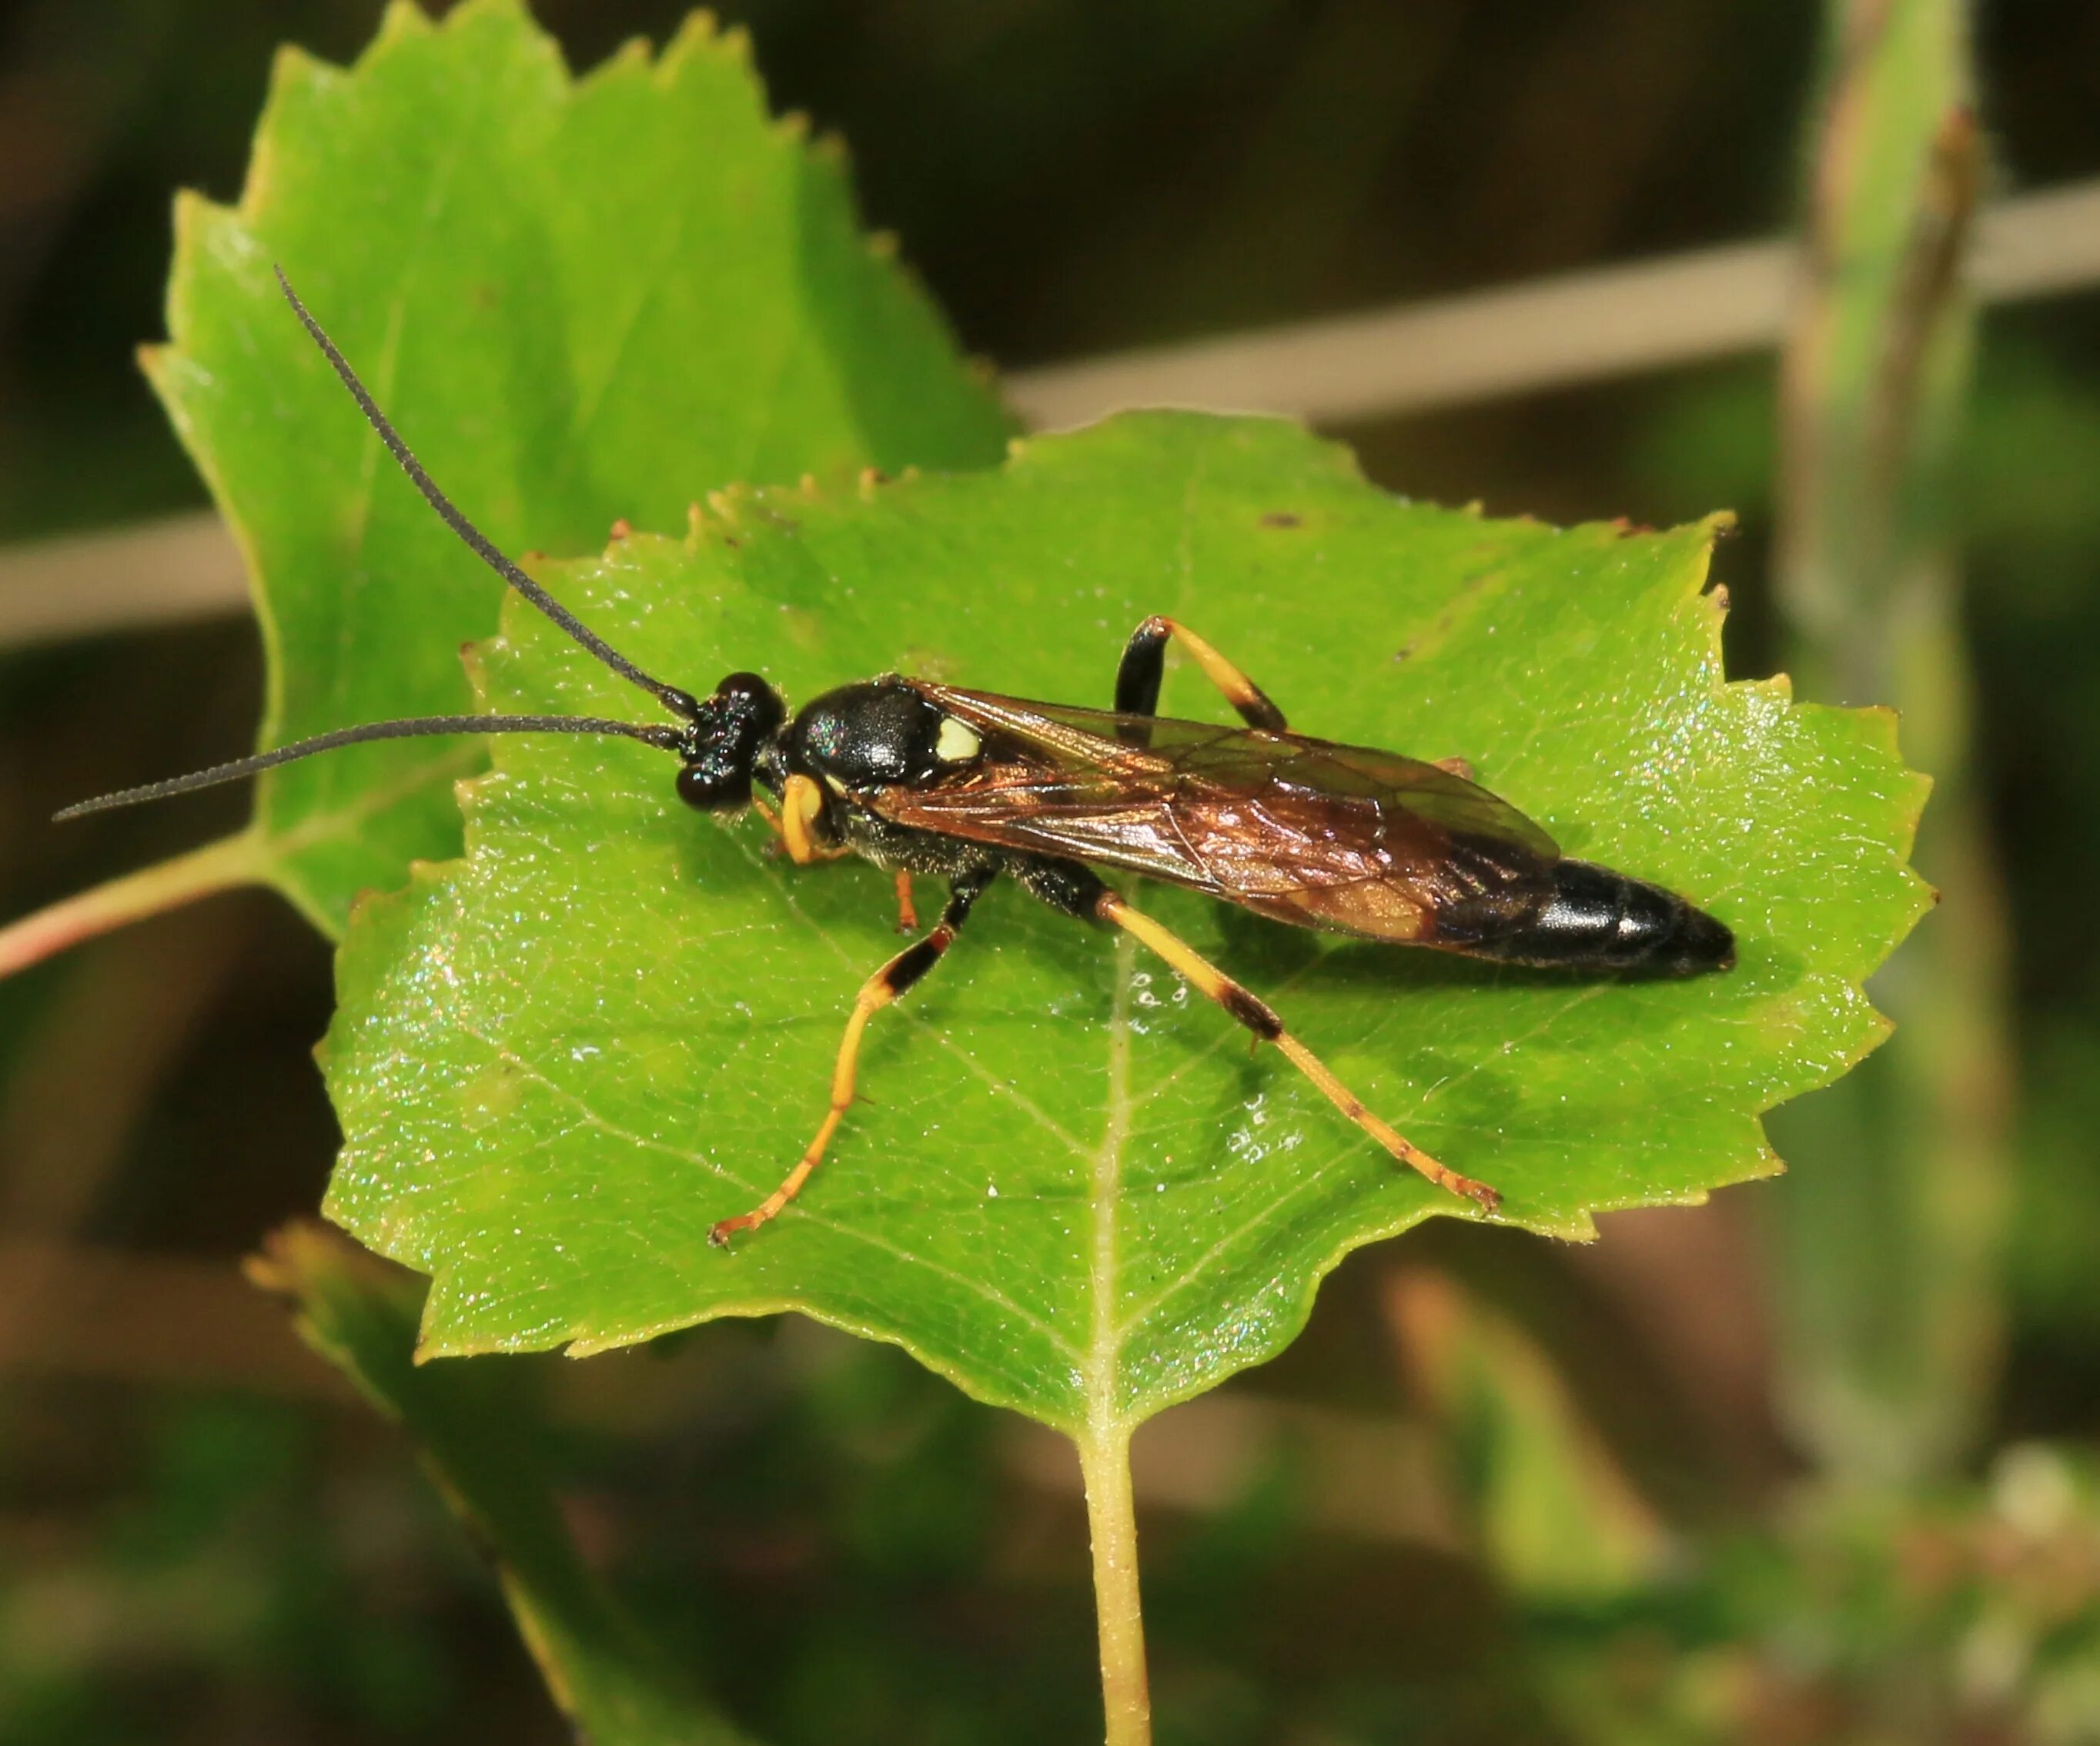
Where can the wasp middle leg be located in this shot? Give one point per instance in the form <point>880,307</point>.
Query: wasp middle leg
<point>877,992</point>
<point>1144,664</point>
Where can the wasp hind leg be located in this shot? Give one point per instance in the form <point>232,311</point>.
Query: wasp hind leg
<point>1259,1018</point>
<point>1144,664</point>
<point>877,992</point>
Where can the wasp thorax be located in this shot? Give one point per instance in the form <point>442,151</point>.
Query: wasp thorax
<point>880,734</point>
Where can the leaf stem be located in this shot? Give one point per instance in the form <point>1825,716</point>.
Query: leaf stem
<point>167,885</point>
<point>1112,1519</point>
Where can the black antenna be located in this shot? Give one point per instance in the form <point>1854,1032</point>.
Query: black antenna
<point>681,704</point>
<point>668,738</point>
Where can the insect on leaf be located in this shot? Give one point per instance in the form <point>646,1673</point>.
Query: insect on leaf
<point>1070,1188</point>
<point>582,301</point>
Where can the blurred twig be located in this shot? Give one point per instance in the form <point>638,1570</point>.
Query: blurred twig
<point>1584,327</point>
<point>1890,1227</point>
<point>114,1032</point>
<point>110,1036</point>
<point>119,1315</point>
<point>1657,1333</point>
<point>153,890</point>
<point>613,1676</point>
<point>186,566</point>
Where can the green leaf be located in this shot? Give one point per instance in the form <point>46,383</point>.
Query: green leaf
<point>473,1430</point>
<point>1070,1190</point>
<point>579,302</point>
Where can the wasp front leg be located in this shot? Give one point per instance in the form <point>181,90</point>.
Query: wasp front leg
<point>801,806</point>
<point>877,992</point>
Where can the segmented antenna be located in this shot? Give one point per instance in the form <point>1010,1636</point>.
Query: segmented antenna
<point>668,738</point>
<point>679,703</point>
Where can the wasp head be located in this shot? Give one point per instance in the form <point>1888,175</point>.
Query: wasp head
<point>722,745</point>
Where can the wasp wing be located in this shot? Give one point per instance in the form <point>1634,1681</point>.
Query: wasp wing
<point>1304,831</point>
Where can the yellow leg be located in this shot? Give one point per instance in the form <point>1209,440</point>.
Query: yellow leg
<point>801,804</point>
<point>1240,691</point>
<point>907,911</point>
<point>1259,1018</point>
<point>877,992</point>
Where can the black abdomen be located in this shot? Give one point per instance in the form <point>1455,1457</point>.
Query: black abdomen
<point>1597,920</point>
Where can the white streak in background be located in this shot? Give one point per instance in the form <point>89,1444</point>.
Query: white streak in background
<point>1592,326</point>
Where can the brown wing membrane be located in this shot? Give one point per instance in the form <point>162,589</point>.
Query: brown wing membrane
<point>1325,836</point>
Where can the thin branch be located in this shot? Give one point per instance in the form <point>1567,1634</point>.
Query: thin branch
<point>127,1317</point>
<point>1594,326</point>
<point>1873,391</point>
<point>159,572</point>
<point>1586,327</point>
<point>165,885</point>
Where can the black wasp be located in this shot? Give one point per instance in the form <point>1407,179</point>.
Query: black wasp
<point>964,785</point>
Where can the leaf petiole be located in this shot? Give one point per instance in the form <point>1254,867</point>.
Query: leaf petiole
<point>1112,1521</point>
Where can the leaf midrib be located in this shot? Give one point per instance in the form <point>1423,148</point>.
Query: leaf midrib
<point>1103,1331</point>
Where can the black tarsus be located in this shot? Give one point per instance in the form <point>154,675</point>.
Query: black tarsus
<point>680,703</point>
<point>668,738</point>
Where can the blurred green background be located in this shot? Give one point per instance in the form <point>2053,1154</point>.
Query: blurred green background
<point>1500,1491</point>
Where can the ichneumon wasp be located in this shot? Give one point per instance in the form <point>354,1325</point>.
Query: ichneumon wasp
<point>964,786</point>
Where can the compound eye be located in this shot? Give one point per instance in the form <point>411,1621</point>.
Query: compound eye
<point>709,792</point>
<point>753,699</point>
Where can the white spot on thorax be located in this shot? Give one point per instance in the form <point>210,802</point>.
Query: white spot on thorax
<point>958,743</point>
